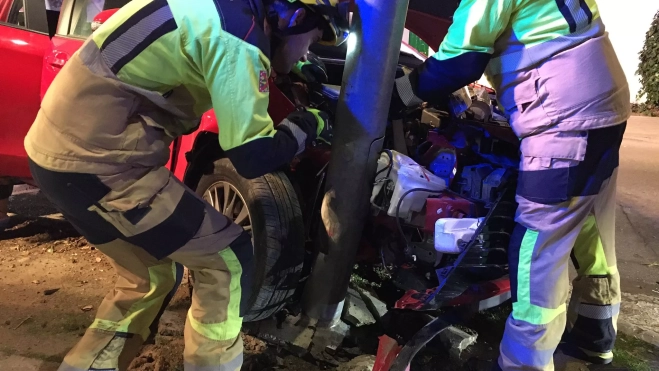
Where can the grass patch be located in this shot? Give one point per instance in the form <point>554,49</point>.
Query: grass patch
<point>498,314</point>
<point>632,353</point>
<point>362,282</point>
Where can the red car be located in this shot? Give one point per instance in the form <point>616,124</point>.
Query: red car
<point>281,209</point>
<point>35,43</point>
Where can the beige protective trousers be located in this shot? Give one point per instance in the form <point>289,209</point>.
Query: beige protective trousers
<point>147,245</point>
<point>566,194</point>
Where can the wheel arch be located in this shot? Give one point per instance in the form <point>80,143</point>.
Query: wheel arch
<point>201,158</point>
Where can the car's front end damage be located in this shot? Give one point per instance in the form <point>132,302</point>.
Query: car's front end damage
<point>442,202</point>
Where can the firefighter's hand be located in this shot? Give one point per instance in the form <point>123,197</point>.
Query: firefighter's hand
<point>314,123</point>
<point>324,128</point>
<point>312,70</point>
<point>403,99</point>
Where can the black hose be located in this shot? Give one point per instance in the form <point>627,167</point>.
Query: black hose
<point>389,166</point>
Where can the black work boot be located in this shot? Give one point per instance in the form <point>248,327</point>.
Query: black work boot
<point>576,352</point>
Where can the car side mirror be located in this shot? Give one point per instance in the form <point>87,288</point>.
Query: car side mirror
<point>102,17</point>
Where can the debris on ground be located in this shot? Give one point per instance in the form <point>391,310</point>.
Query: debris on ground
<point>40,328</point>
<point>50,291</point>
<point>377,307</point>
<point>327,340</point>
<point>23,322</point>
<point>355,310</point>
<point>294,332</point>
<point>253,345</point>
<point>160,357</point>
<point>361,363</point>
<point>456,340</point>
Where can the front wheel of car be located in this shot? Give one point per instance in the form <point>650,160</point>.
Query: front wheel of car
<point>268,208</point>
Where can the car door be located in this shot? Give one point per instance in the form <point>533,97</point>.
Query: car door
<point>74,27</point>
<point>23,42</point>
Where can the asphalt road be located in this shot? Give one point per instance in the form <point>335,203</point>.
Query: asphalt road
<point>637,216</point>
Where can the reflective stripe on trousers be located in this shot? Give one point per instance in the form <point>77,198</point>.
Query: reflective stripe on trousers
<point>212,329</point>
<point>567,213</point>
<point>190,233</point>
<point>126,314</point>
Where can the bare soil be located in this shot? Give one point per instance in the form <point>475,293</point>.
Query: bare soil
<point>52,281</point>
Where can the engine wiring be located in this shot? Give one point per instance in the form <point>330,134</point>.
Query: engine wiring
<point>385,180</point>
<point>400,202</point>
<point>399,225</point>
<point>389,166</point>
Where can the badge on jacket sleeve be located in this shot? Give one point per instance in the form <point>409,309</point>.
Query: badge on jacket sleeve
<point>263,82</point>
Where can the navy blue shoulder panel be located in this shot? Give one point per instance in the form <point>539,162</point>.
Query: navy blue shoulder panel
<point>244,19</point>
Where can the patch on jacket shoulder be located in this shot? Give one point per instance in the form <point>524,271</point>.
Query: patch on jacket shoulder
<point>263,82</point>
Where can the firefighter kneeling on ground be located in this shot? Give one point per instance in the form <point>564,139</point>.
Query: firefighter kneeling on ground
<point>100,142</point>
<point>559,80</point>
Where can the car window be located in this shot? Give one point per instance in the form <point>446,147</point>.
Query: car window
<point>27,14</point>
<point>84,12</point>
<point>12,12</point>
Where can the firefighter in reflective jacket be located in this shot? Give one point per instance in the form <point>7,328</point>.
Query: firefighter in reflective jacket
<point>561,84</point>
<point>100,142</point>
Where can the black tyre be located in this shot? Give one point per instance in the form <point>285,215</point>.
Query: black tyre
<point>274,218</point>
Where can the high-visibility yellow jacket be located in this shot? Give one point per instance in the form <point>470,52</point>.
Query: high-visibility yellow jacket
<point>147,75</point>
<point>550,61</point>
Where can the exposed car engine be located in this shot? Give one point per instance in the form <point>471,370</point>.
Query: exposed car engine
<point>455,175</point>
<point>442,201</point>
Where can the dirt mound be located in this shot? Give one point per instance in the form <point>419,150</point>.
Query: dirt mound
<point>167,356</point>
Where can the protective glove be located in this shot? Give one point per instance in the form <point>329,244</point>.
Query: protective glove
<point>324,128</point>
<point>314,124</point>
<point>312,70</point>
<point>399,105</point>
